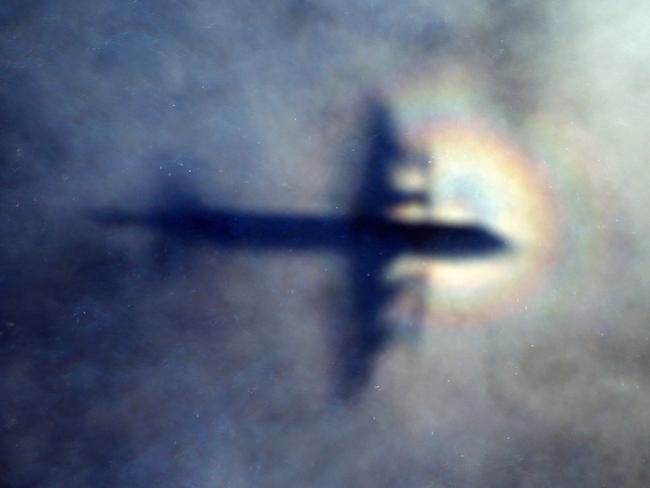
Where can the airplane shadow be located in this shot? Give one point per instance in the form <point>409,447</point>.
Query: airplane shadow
<point>366,237</point>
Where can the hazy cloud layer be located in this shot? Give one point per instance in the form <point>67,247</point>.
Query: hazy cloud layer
<point>217,370</point>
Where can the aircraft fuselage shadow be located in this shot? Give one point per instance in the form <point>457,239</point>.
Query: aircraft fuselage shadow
<point>312,233</point>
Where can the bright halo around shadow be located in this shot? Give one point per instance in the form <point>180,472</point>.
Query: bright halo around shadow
<point>533,185</point>
<point>475,175</point>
